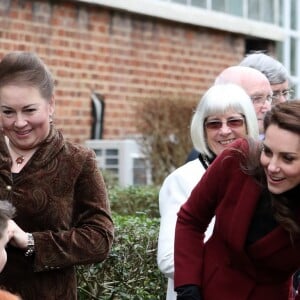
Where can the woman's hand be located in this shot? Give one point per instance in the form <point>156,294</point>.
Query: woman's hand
<point>17,237</point>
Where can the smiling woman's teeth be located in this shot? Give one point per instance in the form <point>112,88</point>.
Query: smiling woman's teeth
<point>275,178</point>
<point>226,142</point>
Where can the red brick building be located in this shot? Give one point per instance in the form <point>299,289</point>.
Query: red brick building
<point>124,57</point>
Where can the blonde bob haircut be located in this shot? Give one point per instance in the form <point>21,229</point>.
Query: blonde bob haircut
<point>220,99</point>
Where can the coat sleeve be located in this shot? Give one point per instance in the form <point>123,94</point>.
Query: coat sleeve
<point>173,193</point>
<point>90,235</point>
<point>193,219</point>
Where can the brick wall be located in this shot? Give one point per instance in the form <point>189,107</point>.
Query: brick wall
<point>124,57</point>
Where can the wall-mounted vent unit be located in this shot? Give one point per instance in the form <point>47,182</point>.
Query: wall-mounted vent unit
<point>123,159</point>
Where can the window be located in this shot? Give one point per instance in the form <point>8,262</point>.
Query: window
<point>199,3</point>
<point>267,11</point>
<point>293,56</point>
<point>294,18</point>
<point>234,7</point>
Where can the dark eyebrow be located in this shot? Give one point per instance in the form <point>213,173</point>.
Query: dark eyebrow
<point>285,153</point>
<point>26,106</point>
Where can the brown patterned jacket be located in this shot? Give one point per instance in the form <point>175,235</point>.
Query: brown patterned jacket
<point>60,197</point>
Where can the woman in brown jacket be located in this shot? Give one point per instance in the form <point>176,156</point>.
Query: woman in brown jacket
<point>63,215</point>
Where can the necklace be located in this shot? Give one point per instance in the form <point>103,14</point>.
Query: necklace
<point>20,159</point>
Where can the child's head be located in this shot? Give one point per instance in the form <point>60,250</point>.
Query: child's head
<point>7,211</point>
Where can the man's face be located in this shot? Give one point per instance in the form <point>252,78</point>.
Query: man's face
<point>281,92</point>
<point>260,93</point>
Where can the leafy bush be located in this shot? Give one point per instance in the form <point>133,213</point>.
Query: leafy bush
<point>134,200</point>
<point>130,271</point>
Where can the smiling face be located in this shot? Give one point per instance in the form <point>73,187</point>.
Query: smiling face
<point>281,159</point>
<point>232,127</point>
<point>25,115</point>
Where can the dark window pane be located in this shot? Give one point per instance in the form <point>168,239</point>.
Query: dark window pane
<point>98,152</point>
<point>111,161</point>
<point>112,152</point>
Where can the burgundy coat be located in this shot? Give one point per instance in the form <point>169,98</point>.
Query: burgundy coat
<point>224,267</point>
<point>60,197</point>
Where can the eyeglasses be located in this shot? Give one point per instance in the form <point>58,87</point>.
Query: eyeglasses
<point>261,100</point>
<point>217,124</point>
<point>286,94</point>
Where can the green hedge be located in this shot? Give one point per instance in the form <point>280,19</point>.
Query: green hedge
<point>133,200</point>
<point>130,271</point>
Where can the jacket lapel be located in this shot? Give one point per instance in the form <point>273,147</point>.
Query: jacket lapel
<point>242,214</point>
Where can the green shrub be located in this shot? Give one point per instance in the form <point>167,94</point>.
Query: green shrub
<point>130,271</point>
<point>134,200</point>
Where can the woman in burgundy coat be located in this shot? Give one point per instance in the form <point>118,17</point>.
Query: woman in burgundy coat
<point>254,193</point>
<point>62,212</point>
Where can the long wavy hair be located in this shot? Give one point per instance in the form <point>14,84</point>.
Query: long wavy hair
<point>286,116</point>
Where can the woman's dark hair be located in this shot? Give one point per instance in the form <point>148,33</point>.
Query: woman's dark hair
<point>286,116</point>
<point>26,69</point>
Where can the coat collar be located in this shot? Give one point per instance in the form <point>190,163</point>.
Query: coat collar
<point>243,213</point>
<point>241,220</point>
<point>47,150</point>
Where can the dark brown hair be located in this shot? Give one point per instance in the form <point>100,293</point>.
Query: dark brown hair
<point>26,69</point>
<point>286,116</point>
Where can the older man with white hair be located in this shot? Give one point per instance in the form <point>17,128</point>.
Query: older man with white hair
<point>256,85</point>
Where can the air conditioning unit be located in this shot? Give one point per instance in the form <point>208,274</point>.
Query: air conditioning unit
<point>123,159</point>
